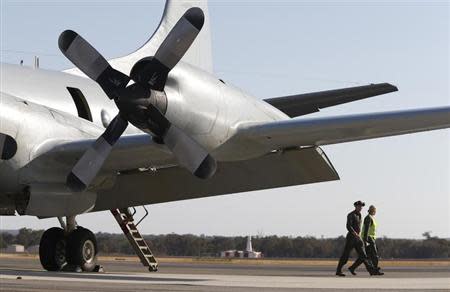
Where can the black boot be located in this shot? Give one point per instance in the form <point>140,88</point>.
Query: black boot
<point>352,270</point>
<point>378,272</point>
<point>340,274</point>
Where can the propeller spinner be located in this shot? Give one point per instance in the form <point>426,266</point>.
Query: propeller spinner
<point>136,102</point>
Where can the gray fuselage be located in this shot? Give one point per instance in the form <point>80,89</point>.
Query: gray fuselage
<point>38,106</point>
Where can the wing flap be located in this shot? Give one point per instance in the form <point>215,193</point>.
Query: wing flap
<point>281,169</point>
<point>302,104</point>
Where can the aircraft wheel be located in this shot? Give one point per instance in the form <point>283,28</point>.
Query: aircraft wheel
<point>52,249</point>
<point>81,249</point>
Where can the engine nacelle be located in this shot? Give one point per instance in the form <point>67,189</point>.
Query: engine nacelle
<point>209,110</point>
<point>50,200</point>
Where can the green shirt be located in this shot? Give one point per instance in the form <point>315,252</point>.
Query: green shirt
<point>369,228</point>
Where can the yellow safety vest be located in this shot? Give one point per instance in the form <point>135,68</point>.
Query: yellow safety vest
<point>372,228</point>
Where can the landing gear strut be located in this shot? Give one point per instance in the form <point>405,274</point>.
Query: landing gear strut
<point>69,248</point>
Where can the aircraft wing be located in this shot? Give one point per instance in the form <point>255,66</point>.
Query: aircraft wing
<point>140,172</point>
<point>134,152</point>
<point>265,137</point>
<point>303,104</point>
<point>130,152</point>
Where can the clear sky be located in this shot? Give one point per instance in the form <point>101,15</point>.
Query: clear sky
<point>275,48</point>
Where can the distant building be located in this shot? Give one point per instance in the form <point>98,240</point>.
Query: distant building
<point>232,253</point>
<point>33,249</point>
<point>248,253</point>
<point>15,248</point>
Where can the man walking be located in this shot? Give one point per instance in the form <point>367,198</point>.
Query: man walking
<point>354,241</point>
<point>368,236</point>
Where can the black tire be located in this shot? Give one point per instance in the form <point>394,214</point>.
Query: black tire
<point>52,249</point>
<point>81,249</point>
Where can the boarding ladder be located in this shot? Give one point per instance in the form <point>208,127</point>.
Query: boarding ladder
<point>126,221</point>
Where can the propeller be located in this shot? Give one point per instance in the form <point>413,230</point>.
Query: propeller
<point>137,103</point>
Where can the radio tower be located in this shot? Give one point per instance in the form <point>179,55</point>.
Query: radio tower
<point>249,247</point>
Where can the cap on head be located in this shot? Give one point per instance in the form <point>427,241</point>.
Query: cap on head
<point>359,203</point>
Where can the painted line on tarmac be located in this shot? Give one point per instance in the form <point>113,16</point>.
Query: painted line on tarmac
<point>239,281</point>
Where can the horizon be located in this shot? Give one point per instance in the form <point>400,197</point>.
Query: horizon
<point>424,237</point>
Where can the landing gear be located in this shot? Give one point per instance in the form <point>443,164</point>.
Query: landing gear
<point>81,249</point>
<point>52,249</point>
<point>70,249</point>
<point>73,248</point>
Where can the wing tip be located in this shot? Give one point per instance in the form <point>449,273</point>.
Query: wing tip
<point>389,87</point>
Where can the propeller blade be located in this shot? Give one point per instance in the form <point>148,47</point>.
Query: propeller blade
<point>8,147</point>
<point>92,63</point>
<point>154,70</point>
<point>180,38</point>
<point>187,151</point>
<point>88,166</point>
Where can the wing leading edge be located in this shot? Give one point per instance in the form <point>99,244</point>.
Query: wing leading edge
<point>254,138</point>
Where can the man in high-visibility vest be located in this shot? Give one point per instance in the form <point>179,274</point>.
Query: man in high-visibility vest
<point>368,235</point>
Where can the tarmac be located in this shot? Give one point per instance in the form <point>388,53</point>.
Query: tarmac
<point>123,274</point>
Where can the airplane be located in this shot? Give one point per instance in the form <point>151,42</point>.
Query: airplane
<point>157,126</point>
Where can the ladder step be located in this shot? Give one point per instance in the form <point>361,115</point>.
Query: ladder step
<point>146,251</point>
<point>136,233</point>
<point>138,237</point>
<point>142,243</point>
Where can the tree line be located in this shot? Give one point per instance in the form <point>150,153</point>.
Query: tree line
<point>271,246</point>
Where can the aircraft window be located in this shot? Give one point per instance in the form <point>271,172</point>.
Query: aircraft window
<point>80,102</point>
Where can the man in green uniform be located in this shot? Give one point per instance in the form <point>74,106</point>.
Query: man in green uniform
<point>354,241</point>
<point>368,236</point>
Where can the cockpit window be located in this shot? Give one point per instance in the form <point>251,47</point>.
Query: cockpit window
<point>80,102</point>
